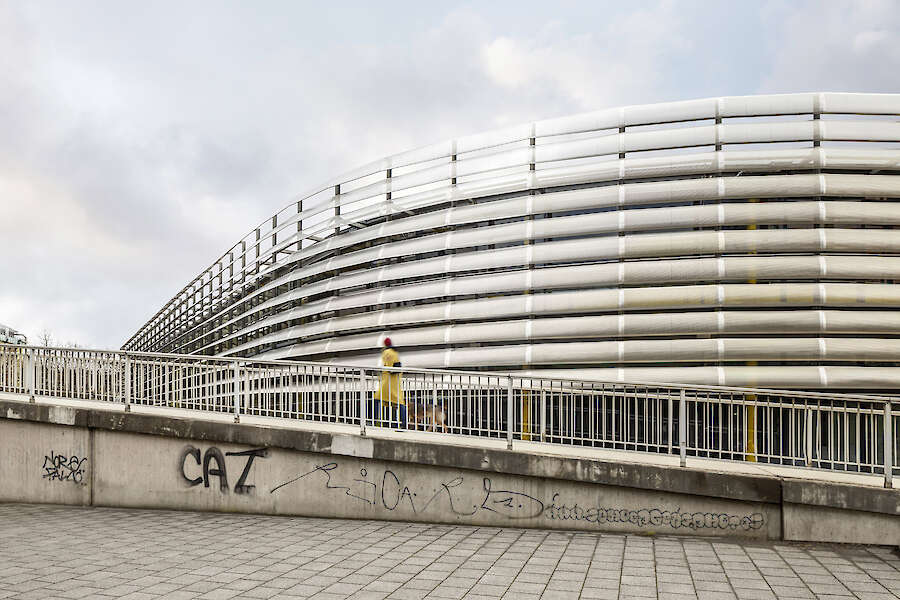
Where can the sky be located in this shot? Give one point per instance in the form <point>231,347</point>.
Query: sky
<point>140,140</point>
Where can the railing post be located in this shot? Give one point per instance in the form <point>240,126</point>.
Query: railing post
<point>888,446</point>
<point>362,402</point>
<point>669,422</point>
<point>543,414</point>
<point>434,401</point>
<point>166,397</point>
<point>510,414</point>
<point>126,386</point>
<point>809,436</point>
<point>682,429</point>
<point>237,392</point>
<point>29,374</point>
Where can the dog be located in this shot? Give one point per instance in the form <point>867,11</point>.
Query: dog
<point>423,413</point>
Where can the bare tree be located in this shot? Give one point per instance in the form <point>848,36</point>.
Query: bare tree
<point>45,337</point>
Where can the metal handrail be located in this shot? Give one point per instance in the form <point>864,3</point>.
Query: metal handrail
<point>838,432</point>
<point>493,374</point>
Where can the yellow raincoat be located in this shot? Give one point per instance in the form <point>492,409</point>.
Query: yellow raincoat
<point>389,391</point>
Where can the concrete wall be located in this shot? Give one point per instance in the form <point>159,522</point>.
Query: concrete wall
<point>44,463</point>
<point>194,475</point>
<point>102,458</point>
<point>826,524</point>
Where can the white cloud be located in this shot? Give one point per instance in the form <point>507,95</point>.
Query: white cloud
<point>834,46</point>
<point>625,58</point>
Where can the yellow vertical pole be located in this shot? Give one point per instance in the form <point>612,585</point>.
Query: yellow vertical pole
<point>751,409</point>
<point>529,241</point>
<point>751,428</point>
<point>526,415</point>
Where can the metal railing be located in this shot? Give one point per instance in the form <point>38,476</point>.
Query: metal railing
<point>837,432</point>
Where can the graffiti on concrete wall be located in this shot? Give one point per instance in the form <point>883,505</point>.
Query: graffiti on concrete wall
<point>383,489</point>
<point>61,467</point>
<point>386,490</point>
<point>653,517</point>
<point>212,464</point>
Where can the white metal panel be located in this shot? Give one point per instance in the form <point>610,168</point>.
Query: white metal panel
<point>671,191</point>
<point>575,302</point>
<point>868,158</point>
<point>865,131</point>
<point>862,267</point>
<point>490,139</point>
<point>683,137</point>
<point>863,185</point>
<point>772,186</point>
<point>748,133</point>
<point>484,332</point>
<point>874,104</point>
<point>515,157</point>
<point>685,110</point>
<point>771,160</point>
<point>598,146</point>
<point>592,121</point>
<point>575,327</point>
<point>580,250</point>
<point>776,104</point>
<point>770,321</point>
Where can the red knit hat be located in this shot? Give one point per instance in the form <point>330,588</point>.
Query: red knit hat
<point>387,342</point>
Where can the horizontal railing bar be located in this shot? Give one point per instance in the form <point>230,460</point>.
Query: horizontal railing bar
<point>210,360</point>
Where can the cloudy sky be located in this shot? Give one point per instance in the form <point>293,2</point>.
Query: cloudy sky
<point>139,140</point>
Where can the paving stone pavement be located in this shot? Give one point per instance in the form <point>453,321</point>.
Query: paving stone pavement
<point>51,552</point>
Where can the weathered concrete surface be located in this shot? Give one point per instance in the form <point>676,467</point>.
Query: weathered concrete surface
<point>642,476</point>
<point>842,496</point>
<point>202,476</point>
<point>44,461</point>
<point>150,461</point>
<point>822,524</point>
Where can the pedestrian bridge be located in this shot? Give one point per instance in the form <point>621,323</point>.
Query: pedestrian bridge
<point>202,433</point>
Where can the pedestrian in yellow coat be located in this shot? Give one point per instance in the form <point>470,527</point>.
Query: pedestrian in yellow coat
<point>389,391</point>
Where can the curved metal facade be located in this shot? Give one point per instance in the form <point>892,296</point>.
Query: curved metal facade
<point>746,241</point>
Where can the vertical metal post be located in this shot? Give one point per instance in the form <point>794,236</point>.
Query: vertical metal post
<point>669,421</point>
<point>337,208</point>
<point>299,225</point>
<point>453,164</point>
<point>165,393</point>
<point>237,392</point>
<point>275,235</point>
<point>543,415</point>
<point>434,403</point>
<point>29,374</point>
<point>682,429</point>
<point>362,402</point>
<point>888,446</point>
<point>809,437</point>
<point>510,414</point>
<point>126,385</point>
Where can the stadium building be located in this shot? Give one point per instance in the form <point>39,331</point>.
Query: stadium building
<point>746,241</point>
